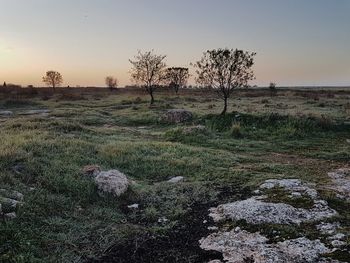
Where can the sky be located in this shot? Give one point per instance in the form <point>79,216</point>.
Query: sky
<point>298,42</point>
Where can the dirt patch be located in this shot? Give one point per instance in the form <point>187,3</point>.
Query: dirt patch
<point>179,244</point>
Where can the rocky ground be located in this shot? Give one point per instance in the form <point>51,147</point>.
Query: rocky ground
<point>239,246</point>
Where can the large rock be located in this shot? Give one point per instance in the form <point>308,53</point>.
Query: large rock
<point>257,212</point>
<point>238,246</point>
<point>177,116</point>
<point>112,182</point>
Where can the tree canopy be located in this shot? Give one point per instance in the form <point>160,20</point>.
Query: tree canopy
<point>225,70</point>
<point>148,70</point>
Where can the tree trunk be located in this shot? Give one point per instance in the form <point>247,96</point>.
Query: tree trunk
<point>152,98</point>
<point>225,107</point>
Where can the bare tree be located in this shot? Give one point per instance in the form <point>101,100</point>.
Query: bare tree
<point>177,77</point>
<point>225,70</point>
<point>53,79</point>
<point>273,88</point>
<point>148,70</point>
<point>111,82</point>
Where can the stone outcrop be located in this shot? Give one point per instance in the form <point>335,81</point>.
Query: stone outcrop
<point>256,211</point>
<point>177,116</point>
<point>112,182</point>
<point>238,246</point>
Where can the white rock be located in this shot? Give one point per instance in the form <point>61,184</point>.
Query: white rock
<point>162,220</point>
<point>177,116</point>
<point>328,228</point>
<point>10,216</point>
<point>133,206</point>
<point>34,112</point>
<point>176,179</point>
<point>295,186</point>
<point>112,182</point>
<point>339,236</point>
<point>338,243</point>
<point>238,247</point>
<point>257,212</point>
<point>6,113</point>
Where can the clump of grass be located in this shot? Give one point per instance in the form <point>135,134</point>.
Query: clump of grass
<point>279,195</point>
<point>236,130</point>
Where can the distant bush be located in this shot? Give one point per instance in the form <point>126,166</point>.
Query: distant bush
<point>236,130</point>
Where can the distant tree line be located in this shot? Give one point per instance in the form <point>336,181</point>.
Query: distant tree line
<point>222,70</point>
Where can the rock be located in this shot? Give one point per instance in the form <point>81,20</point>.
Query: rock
<point>242,246</point>
<point>212,228</point>
<point>43,112</point>
<point>295,195</point>
<point>176,179</point>
<point>10,216</point>
<point>9,204</point>
<point>133,206</point>
<point>339,236</point>
<point>91,170</point>
<point>257,212</point>
<point>295,186</point>
<point>19,168</point>
<point>11,194</point>
<point>6,113</point>
<point>162,220</point>
<point>338,243</point>
<point>112,182</point>
<point>177,116</point>
<point>341,182</point>
<point>328,228</point>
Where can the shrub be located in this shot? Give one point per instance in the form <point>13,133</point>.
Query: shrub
<point>236,130</point>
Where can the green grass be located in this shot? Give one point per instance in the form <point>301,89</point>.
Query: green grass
<point>65,220</point>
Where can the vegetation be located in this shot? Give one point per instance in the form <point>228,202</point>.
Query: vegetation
<point>225,70</point>
<point>177,77</point>
<point>111,82</point>
<point>149,71</point>
<point>64,219</point>
<point>53,79</point>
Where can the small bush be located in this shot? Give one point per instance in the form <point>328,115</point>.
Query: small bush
<point>236,130</point>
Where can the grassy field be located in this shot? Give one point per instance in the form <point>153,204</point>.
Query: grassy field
<point>291,135</point>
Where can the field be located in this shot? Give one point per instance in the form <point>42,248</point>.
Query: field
<point>292,134</point>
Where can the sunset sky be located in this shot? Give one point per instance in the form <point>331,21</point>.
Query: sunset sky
<point>298,42</point>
